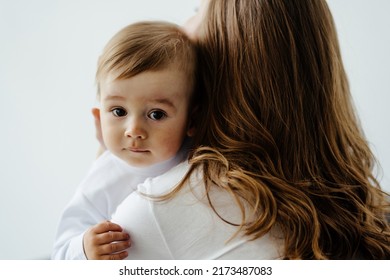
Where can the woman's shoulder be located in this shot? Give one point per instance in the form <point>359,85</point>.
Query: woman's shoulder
<point>165,182</point>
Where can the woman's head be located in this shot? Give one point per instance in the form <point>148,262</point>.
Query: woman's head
<point>274,76</point>
<point>278,109</point>
<point>192,25</point>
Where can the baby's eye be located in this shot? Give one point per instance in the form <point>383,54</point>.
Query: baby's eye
<point>157,115</point>
<point>119,112</point>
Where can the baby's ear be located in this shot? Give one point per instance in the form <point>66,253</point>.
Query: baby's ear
<point>98,126</point>
<point>96,115</point>
<point>191,128</point>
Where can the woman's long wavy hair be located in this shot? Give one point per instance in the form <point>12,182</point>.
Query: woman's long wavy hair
<point>281,132</point>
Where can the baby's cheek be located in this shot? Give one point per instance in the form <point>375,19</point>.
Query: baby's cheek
<point>170,146</point>
<point>111,137</point>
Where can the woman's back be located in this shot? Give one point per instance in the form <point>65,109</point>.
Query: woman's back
<point>185,227</point>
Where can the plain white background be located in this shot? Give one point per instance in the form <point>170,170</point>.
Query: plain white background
<point>48,55</point>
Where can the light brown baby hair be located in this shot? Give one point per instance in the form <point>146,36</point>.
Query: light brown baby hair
<point>147,46</point>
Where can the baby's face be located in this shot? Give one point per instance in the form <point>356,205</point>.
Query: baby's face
<point>144,118</point>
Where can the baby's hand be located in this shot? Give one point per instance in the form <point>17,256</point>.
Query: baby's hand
<point>106,241</point>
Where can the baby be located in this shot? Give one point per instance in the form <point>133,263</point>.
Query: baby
<point>145,79</point>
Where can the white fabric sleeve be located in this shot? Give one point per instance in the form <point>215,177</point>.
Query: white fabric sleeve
<point>78,216</point>
<point>105,185</point>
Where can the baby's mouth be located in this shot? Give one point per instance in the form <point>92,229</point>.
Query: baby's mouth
<point>137,150</point>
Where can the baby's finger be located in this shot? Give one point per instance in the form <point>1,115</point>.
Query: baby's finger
<point>118,256</point>
<point>106,226</point>
<point>112,236</point>
<point>114,247</point>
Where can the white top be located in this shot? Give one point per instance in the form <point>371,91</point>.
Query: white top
<point>186,227</point>
<point>108,182</point>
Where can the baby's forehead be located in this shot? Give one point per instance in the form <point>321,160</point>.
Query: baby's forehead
<point>160,84</point>
<point>175,68</point>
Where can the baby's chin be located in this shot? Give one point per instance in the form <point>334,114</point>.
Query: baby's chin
<point>142,159</point>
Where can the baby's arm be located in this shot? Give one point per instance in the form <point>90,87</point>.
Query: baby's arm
<point>79,215</point>
<point>107,183</point>
<point>106,241</point>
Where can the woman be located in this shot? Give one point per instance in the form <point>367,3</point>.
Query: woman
<point>281,168</point>
<point>295,141</point>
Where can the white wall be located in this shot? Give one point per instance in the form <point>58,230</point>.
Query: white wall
<point>48,54</point>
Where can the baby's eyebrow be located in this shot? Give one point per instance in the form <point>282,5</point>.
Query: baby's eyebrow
<point>165,101</point>
<point>113,97</point>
